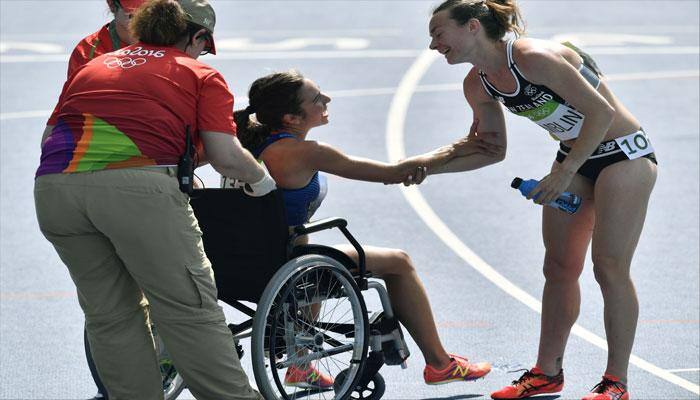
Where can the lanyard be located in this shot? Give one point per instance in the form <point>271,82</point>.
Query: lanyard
<point>112,28</point>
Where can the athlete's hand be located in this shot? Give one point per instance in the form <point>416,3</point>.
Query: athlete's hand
<point>413,170</point>
<point>408,170</point>
<point>551,186</point>
<point>417,177</point>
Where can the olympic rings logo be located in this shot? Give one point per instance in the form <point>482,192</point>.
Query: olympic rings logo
<point>530,90</point>
<point>124,63</point>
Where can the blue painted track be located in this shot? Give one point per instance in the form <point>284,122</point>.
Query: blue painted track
<point>359,52</point>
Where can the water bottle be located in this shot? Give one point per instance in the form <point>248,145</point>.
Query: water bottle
<point>567,202</point>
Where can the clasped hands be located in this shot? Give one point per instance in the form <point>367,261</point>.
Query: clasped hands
<point>414,170</point>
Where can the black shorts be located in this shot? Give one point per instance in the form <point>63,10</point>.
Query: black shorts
<point>606,154</point>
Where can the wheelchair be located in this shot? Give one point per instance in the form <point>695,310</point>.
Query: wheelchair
<point>309,304</point>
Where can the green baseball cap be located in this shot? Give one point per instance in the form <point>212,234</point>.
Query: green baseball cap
<point>200,12</point>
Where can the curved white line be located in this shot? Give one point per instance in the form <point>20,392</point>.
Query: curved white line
<point>396,151</point>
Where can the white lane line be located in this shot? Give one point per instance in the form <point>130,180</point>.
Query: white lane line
<point>396,151</point>
<point>245,55</point>
<point>448,87</point>
<point>316,54</point>
<point>25,114</point>
<point>617,28</point>
<point>379,32</point>
<point>680,74</point>
<point>374,53</point>
<point>439,87</point>
<point>622,50</point>
<point>684,370</point>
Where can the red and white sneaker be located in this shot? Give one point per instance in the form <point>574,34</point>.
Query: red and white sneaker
<point>307,378</point>
<point>531,383</point>
<point>459,369</point>
<point>610,388</point>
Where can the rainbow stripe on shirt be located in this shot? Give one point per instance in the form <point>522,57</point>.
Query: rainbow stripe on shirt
<point>91,144</point>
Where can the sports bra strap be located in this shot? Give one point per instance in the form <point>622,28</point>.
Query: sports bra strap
<point>277,136</point>
<point>271,139</point>
<point>485,84</point>
<point>509,51</point>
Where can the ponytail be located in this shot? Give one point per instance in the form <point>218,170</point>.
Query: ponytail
<point>250,132</point>
<point>271,98</point>
<point>507,13</point>
<point>496,16</point>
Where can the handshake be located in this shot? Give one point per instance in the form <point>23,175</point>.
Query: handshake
<point>471,152</point>
<point>411,171</point>
<point>451,158</point>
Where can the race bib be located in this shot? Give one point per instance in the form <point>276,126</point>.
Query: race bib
<point>635,145</point>
<point>231,183</point>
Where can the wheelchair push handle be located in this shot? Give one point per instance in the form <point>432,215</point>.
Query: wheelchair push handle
<point>341,224</point>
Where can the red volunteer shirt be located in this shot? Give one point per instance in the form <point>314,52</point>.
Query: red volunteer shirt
<point>131,108</point>
<point>101,42</point>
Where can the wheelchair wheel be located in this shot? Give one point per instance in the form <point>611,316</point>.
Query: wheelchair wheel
<point>373,390</point>
<point>173,384</point>
<point>311,317</point>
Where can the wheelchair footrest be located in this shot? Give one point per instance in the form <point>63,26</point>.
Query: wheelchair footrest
<point>388,336</point>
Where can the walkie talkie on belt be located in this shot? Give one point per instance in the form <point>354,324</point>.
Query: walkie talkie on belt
<point>185,167</point>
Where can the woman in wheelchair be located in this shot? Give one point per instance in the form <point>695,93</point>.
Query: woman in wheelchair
<point>286,107</point>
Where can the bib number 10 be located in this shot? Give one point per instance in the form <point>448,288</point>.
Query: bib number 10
<point>635,145</point>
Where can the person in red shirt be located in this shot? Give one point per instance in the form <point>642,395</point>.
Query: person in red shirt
<point>107,198</point>
<point>112,36</point>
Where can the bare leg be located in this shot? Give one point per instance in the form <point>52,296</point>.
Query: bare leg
<point>566,238</point>
<point>622,194</point>
<point>408,298</point>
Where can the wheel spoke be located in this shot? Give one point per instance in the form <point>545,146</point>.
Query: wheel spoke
<point>310,304</point>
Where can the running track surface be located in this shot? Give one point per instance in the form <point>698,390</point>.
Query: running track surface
<point>475,242</point>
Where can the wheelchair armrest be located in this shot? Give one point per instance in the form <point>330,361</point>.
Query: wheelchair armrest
<point>320,225</point>
<point>329,223</point>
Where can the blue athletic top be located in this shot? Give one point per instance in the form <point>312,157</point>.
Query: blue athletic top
<point>540,103</point>
<point>300,203</point>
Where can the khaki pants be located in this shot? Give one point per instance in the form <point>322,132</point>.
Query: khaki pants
<point>126,233</point>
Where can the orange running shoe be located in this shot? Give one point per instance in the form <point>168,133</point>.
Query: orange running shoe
<point>459,369</point>
<point>308,378</point>
<point>532,382</point>
<point>610,388</point>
